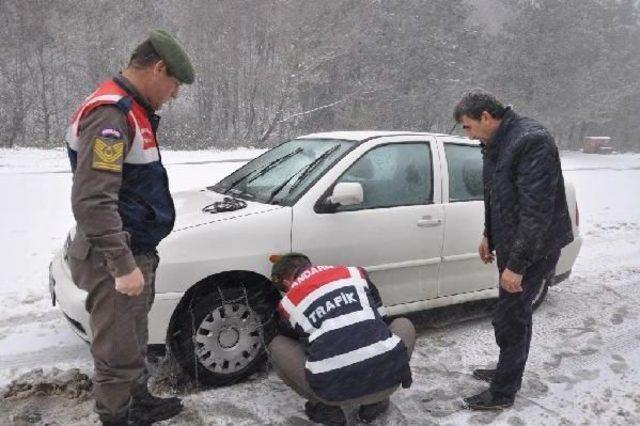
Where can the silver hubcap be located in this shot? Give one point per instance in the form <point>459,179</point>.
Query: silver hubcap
<point>228,339</point>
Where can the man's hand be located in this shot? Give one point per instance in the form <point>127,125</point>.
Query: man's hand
<point>131,284</point>
<point>510,281</point>
<point>483,250</point>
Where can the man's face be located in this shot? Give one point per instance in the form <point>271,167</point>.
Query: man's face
<point>165,86</point>
<point>482,129</point>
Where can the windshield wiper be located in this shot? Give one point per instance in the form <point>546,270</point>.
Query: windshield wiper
<point>264,170</point>
<point>304,172</point>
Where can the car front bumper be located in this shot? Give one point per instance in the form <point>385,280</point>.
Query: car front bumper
<point>68,297</point>
<point>71,300</point>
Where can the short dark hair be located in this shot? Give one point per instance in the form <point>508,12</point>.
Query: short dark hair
<point>475,102</point>
<point>145,55</point>
<point>289,267</point>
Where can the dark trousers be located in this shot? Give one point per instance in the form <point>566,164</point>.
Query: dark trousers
<point>120,334</point>
<point>512,324</point>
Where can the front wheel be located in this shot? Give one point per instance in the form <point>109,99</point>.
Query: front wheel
<point>219,337</point>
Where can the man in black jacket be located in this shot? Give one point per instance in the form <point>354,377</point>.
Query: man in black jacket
<point>526,224</point>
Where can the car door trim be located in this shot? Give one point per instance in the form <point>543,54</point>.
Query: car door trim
<point>405,264</point>
<point>438,302</point>
<point>459,257</point>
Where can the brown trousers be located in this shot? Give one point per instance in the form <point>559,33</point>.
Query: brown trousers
<point>288,358</point>
<point>120,331</point>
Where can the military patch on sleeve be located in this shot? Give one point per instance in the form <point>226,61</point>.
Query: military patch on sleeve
<point>110,132</point>
<point>108,154</point>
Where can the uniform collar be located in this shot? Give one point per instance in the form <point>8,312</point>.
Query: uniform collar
<point>122,81</point>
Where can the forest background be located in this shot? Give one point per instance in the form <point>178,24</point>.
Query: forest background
<point>269,70</point>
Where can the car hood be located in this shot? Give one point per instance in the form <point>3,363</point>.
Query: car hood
<point>189,205</point>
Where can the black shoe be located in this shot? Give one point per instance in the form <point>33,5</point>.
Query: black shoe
<point>145,409</point>
<point>485,375</point>
<point>145,399</point>
<point>368,413</point>
<point>324,414</point>
<point>309,408</point>
<point>122,420</point>
<point>488,401</point>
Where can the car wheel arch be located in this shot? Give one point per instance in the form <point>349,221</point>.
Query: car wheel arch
<point>211,282</point>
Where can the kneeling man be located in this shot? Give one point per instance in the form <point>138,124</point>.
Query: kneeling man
<point>336,346</point>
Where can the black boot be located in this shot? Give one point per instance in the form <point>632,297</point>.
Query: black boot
<point>324,414</point>
<point>370,412</point>
<point>120,420</point>
<point>488,401</point>
<point>485,375</point>
<point>145,409</point>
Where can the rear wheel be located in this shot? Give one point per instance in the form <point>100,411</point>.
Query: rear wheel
<point>544,289</point>
<point>220,332</point>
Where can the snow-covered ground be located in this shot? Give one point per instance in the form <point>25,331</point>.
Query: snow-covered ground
<point>584,366</point>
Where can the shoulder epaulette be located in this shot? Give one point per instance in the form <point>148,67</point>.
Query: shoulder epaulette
<point>124,104</point>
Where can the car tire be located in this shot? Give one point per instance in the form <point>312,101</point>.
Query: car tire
<point>544,289</point>
<point>220,331</point>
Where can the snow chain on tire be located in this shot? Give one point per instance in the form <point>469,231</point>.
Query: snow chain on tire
<point>242,299</point>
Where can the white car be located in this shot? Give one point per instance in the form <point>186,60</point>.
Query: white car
<point>406,206</point>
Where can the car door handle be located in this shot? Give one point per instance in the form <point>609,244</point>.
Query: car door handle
<point>428,221</point>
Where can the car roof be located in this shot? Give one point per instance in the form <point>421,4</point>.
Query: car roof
<point>362,135</point>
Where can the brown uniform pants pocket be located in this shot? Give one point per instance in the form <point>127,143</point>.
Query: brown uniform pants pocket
<point>79,261</point>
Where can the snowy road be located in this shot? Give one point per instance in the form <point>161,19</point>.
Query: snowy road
<point>584,364</point>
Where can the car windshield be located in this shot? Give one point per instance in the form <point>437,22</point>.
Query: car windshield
<point>282,174</point>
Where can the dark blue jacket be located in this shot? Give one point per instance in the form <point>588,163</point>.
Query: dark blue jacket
<point>526,213</point>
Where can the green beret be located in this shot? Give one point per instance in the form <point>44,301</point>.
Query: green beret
<point>173,55</point>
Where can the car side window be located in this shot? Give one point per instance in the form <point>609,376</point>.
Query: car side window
<point>465,172</point>
<point>392,175</point>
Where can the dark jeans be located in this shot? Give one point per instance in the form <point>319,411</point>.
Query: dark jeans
<point>512,323</point>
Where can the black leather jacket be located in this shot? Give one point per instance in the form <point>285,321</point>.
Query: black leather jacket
<point>526,214</point>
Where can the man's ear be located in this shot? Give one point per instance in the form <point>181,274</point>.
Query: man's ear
<point>485,116</point>
<point>286,283</point>
<point>159,67</point>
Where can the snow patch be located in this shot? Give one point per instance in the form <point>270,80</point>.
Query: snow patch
<point>69,383</point>
<point>583,366</point>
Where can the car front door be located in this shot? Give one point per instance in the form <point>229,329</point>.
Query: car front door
<point>395,233</point>
<point>462,271</point>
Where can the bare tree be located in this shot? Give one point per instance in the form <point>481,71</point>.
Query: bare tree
<point>274,69</point>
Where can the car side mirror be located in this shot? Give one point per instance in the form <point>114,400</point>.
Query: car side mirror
<point>347,194</point>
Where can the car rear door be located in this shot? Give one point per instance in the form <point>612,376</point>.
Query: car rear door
<point>462,271</point>
<point>396,233</point>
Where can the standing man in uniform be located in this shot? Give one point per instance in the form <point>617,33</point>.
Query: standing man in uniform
<point>123,209</point>
<point>526,222</point>
<point>337,347</point>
